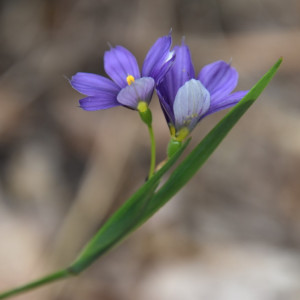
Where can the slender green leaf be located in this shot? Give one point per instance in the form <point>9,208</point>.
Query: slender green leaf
<point>34,284</point>
<point>123,220</point>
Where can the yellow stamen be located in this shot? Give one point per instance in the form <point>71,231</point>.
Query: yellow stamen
<point>142,106</point>
<point>182,134</point>
<point>172,130</point>
<point>130,79</point>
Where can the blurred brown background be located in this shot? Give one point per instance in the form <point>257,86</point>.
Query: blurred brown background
<point>232,233</point>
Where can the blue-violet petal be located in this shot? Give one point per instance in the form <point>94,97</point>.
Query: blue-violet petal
<point>219,78</point>
<point>226,102</point>
<point>191,102</point>
<point>164,101</point>
<point>93,84</point>
<point>181,71</point>
<point>140,90</point>
<point>104,101</point>
<point>158,59</point>
<point>119,63</point>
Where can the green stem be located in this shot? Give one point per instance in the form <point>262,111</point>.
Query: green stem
<point>153,151</point>
<point>146,116</point>
<point>34,284</point>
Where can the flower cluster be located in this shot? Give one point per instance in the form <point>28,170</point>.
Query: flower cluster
<point>184,97</point>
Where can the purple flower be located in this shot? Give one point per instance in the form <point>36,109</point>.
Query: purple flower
<point>187,99</point>
<point>128,86</point>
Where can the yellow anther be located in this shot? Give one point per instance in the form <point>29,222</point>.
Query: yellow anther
<point>182,134</point>
<point>142,106</point>
<point>130,79</point>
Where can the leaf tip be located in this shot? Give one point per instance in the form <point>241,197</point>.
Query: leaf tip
<point>279,61</point>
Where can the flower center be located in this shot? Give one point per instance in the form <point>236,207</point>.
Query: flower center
<point>182,134</point>
<point>130,79</point>
<point>188,119</point>
<point>142,106</point>
<point>179,135</point>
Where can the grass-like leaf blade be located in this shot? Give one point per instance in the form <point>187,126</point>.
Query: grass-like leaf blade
<point>124,220</point>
